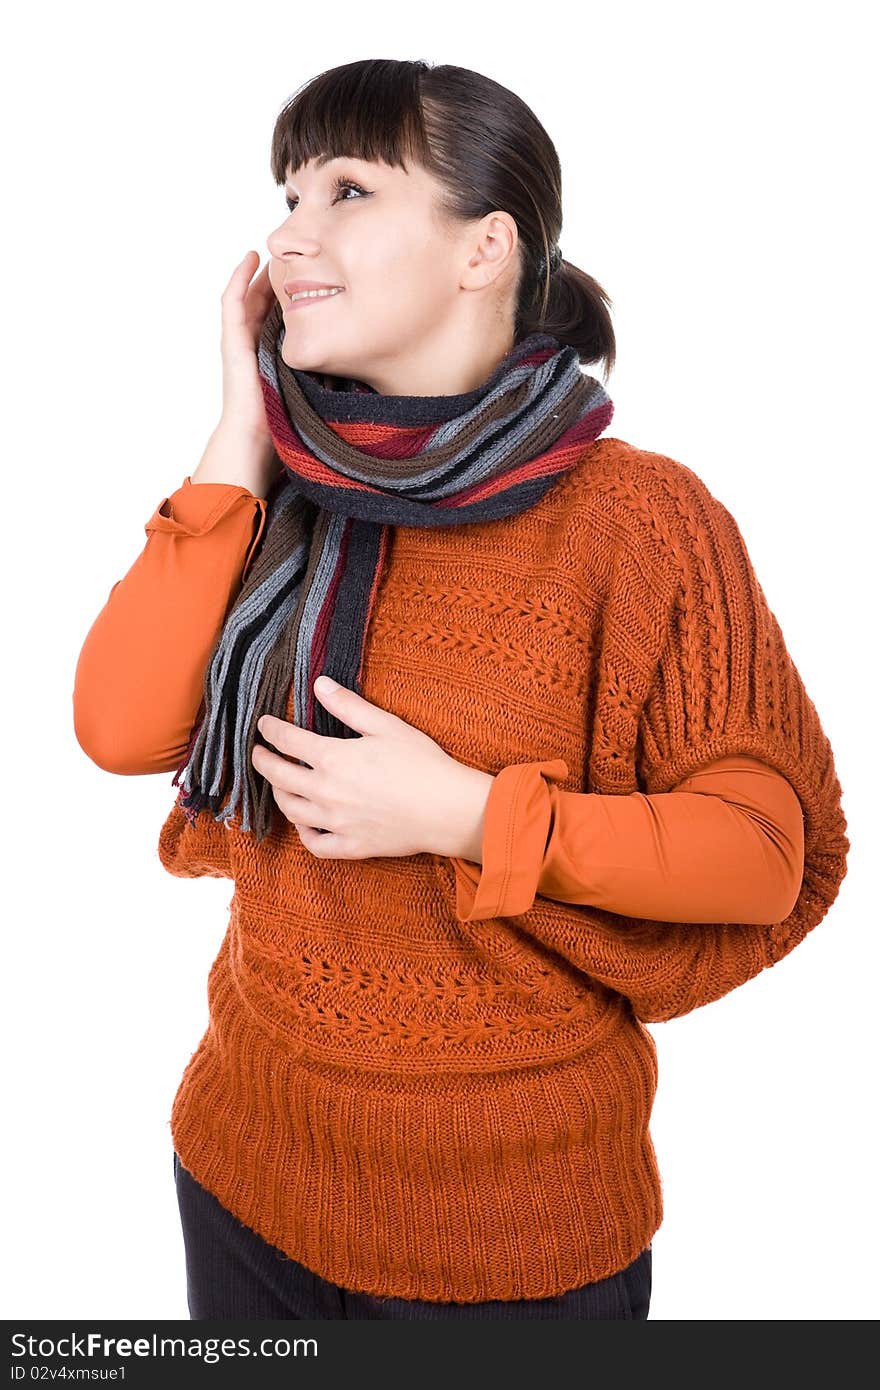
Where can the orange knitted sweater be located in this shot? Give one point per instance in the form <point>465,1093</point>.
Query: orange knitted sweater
<point>428,1079</point>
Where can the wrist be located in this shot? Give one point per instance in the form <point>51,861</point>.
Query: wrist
<point>238,457</point>
<point>468,842</point>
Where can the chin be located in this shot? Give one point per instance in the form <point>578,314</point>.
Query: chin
<point>296,356</point>
<point>304,361</point>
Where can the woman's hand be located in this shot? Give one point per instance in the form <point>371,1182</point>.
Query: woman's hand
<point>391,792</point>
<point>244,307</point>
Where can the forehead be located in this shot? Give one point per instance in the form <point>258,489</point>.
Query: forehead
<point>370,167</point>
<point>316,166</point>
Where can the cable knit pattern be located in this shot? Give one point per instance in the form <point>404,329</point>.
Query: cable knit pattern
<point>426,1107</point>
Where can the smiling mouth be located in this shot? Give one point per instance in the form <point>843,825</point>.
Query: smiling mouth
<point>314,294</point>
<point>303,302</point>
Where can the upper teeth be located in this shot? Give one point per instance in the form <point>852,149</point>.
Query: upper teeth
<point>311,294</point>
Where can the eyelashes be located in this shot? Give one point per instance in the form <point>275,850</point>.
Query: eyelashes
<point>338,185</point>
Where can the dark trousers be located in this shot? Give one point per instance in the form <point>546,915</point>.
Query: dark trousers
<point>231,1272</point>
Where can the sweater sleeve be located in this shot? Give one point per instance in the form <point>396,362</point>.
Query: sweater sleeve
<point>725,845</point>
<point>719,682</point>
<point>139,678</point>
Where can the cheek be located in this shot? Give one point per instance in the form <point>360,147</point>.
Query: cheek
<point>404,286</point>
<point>409,262</point>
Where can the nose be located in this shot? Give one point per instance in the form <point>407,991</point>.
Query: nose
<point>288,239</point>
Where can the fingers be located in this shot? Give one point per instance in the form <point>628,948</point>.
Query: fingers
<point>232,298</point>
<point>243,304</point>
<point>241,277</point>
<point>247,300</point>
<point>248,265</point>
<point>262,286</point>
<point>243,310</point>
<point>294,740</point>
<point>242,273</point>
<point>284,775</point>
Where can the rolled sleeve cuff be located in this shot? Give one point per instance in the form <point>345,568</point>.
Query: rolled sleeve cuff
<point>195,508</point>
<point>515,833</point>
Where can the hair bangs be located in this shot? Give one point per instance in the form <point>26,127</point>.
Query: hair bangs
<point>363,110</point>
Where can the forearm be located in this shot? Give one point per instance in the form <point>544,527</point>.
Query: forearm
<point>726,845</point>
<point>230,457</point>
<point>673,857</point>
<point>139,677</point>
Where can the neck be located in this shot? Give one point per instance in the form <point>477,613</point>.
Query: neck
<point>448,366</point>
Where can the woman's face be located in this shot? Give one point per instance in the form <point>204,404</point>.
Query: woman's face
<point>419,310</point>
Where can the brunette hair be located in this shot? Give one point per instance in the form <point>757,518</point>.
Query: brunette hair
<point>486,147</point>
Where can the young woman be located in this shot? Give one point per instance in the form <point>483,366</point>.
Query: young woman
<point>568,781</point>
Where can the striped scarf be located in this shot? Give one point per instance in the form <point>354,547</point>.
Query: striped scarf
<point>356,463</point>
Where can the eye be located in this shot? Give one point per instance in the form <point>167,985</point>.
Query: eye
<point>338,185</point>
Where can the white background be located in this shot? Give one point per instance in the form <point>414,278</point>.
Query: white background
<point>717,181</point>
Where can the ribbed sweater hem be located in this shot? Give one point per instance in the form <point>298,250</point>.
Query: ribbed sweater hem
<point>527,1186</point>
